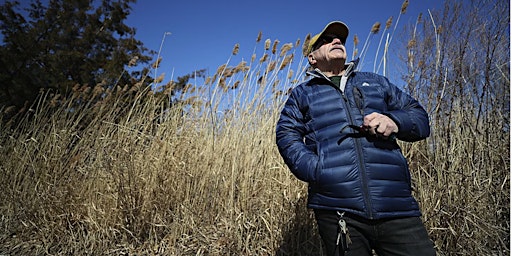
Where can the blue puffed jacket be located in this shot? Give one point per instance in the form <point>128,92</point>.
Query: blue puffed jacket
<point>347,169</point>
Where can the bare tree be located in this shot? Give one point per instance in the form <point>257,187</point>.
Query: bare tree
<point>458,63</point>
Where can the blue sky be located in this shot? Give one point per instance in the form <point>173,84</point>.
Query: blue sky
<point>204,32</point>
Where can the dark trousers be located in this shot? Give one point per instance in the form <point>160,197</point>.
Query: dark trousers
<point>397,236</point>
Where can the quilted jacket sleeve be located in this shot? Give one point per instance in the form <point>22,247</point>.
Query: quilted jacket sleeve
<point>408,114</point>
<point>290,132</point>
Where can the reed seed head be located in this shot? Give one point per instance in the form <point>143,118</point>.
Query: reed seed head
<point>241,67</point>
<point>305,46</point>
<point>275,83</point>
<point>264,58</point>
<point>54,101</point>
<point>356,40</point>
<point>267,44</point>
<point>271,66</point>
<point>375,27</point>
<point>287,60</point>
<point>285,49</point>
<point>389,22</point>
<point>411,43</point>
<point>258,39</point>
<point>136,87</point>
<point>229,72</point>
<point>221,69</point>
<point>404,6</point>
<point>236,49</point>
<point>133,61</point>
<point>169,87</point>
<point>222,84</point>
<point>290,74</point>
<point>156,64</point>
<point>419,17</point>
<point>98,89</point>
<point>274,46</point>
<point>421,64</point>
<point>439,29</point>
<point>236,85</point>
<point>160,78</point>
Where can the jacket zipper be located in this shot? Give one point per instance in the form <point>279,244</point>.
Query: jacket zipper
<point>362,170</point>
<point>359,151</point>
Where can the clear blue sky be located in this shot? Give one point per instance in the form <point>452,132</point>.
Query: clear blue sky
<point>204,32</point>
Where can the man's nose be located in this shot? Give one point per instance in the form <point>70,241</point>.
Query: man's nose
<point>336,41</point>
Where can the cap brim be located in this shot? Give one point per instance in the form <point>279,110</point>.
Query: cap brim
<point>335,28</point>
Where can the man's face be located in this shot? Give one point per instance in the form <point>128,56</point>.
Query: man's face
<point>329,50</point>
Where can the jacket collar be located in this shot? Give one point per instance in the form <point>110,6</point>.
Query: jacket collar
<point>349,69</point>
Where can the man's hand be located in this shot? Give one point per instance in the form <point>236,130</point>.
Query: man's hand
<point>379,124</point>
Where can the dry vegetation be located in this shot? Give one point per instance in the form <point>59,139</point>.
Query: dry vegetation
<point>126,172</point>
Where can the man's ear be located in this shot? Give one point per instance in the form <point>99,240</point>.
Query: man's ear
<point>311,59</point>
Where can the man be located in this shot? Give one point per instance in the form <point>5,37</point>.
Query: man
<point>338,132</point>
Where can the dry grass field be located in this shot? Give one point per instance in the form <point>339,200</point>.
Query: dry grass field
<point>122,171</point>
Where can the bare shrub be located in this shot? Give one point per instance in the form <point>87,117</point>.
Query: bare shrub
<point>458,65</point>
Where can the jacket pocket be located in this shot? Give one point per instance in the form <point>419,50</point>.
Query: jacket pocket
<point>320,164</point>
